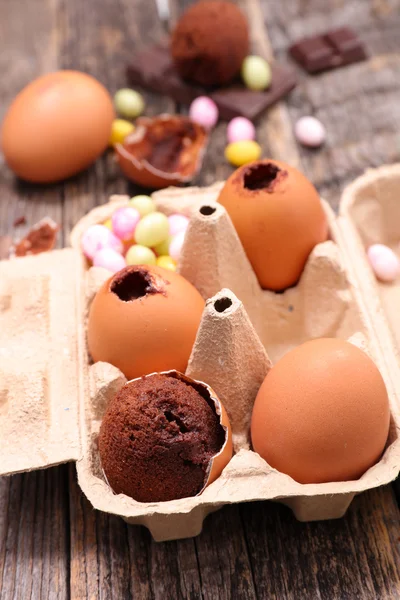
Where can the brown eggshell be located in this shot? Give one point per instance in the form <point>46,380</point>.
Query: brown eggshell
<point>221,459</point>
<point>322,413</point>
<point>162,151</point>
<point>144,319</point>
<point>279,218</point>
<point>57,126</point>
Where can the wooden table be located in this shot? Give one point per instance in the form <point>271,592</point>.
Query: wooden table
<point>52,544</point>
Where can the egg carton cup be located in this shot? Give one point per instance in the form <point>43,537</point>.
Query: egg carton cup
<point>50,391</point>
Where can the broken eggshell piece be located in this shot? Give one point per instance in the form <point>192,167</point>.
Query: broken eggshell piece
<point>162,151</point>
<point>215,465</point>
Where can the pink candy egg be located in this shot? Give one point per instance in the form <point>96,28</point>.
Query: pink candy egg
<point>204,111</point>
<point>240,129</point>
<point>310,132</point>
<point>97,237</point>
<point>177,223</point>
<point>176,244</point>
<point>124,221</point>
<point>384,262</point>
<point>109,259</point>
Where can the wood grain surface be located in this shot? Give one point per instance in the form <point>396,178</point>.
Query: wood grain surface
<point>53,545</point>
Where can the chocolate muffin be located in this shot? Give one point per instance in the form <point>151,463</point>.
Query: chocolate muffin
<point>157,438</point>
<point>210,42</point>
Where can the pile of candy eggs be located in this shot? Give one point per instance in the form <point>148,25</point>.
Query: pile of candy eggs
<point>136,234</point>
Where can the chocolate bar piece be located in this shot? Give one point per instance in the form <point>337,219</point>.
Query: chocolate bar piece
<point>329,51</point>
<point>153,69</point>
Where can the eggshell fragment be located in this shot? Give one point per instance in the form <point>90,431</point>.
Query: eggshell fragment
<point>322,413</point>
<point>384,262</point>
<point>144,319</point>
<point>57,126</point>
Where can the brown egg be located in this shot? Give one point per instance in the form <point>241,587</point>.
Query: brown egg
<point>322,413</point>
<point>144,319</point>
<point>279,218</point>
<point>164,436</point>
<point>162,151</point>
<point>57,126</point>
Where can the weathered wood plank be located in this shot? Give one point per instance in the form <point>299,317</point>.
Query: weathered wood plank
<point>34,537</point>
<point>354,557</point>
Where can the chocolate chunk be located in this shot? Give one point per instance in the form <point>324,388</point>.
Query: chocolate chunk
<point>5,246</point>
<point>153,69</point>
<point>40,238</point>
<point>328,51</point>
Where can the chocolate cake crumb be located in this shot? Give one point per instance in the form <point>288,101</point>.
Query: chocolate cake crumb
<point>157,439</point>
<point>41,238</point>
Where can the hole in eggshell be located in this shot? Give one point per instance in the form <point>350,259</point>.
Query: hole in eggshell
<point>207,210</point>
<point>222,304</point>
<point>262,176</point>
<point>132,283</point>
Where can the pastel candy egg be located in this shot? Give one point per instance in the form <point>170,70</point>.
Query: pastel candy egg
<point>152,229</point>
<point>241,153</point>
<point>310,132</point>
<point>140,255</point>
<point>240,129</point>
<point>166,262</point>
<point>108,224</point>
<point>384,262</point>
<point>143,204</point>
<point>124,221</point>
<point>129,103</point>
<point>97,237</point>
<point>163,248</point>
<point>176,244</point>
<point>204,111</point>
<point>177,223</point>
<point>256,73</point>
<point>109,259</point>
<point>119,130</point>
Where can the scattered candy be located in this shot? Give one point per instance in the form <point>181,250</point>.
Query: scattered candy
<point>97,237</point>
<point>128,103</point>
<point>143,204</point>
<point>152,229</point>
<point>176,244</point>
<point>241,153</point>
<point>240,129</point>
<point>177,223</point>
<point>124,221</point>
<point>166,262</point>
<point>310,132</point>
<point>109,259</point>
<point>119,130</point>
<point>163,248</point>
<point>108,224</point>
<point>256,73</point>
<point>384,262</point>
<point>204,111</point>
<point>140,255</point>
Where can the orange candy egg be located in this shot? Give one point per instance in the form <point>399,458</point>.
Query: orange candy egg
<point>57,126</point>
<point>322,413</point>
<point>279,218</point>
<point>144,319</point>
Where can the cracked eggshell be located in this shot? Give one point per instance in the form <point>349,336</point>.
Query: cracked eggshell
<point>144,319</point>
<point>279,218</point>
<point>162,151</point>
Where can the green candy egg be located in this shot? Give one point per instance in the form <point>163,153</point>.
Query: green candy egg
<point>256,73</point>
<point>143,204</point>
<point>128,103</point>
<point>140,255</point>
<point>152,230</point>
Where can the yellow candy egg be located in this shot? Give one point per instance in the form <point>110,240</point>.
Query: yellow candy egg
<point>108,224</point>
<point>119,130</point>
<point>243,152</point>
<point>166,262</point>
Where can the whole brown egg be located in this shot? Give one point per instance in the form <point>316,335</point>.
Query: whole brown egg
<point>57,126</point>
<point>279,218</point>
<point>144,319</point>
<point>322,413</point>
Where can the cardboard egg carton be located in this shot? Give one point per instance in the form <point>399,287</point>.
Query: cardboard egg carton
<point>52,399</point>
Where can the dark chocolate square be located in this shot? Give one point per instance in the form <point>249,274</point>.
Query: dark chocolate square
<point>346,44</point>
<point>312,53</point>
